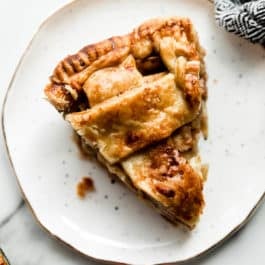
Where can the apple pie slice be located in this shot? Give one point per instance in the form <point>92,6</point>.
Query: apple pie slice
<point>138,101</point>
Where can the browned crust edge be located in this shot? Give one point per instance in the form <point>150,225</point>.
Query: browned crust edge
<point>143,42</point>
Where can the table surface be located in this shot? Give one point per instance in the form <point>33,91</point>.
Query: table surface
<point>23,241</point>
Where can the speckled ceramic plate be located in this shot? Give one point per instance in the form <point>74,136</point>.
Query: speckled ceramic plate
<point>111,223</point>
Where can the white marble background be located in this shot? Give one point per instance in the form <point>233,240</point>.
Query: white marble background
<point>20,237</point>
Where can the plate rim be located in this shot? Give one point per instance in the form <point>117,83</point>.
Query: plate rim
<point>33,212</point>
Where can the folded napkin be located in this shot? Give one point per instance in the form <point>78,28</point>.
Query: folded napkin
<point>245,18</point>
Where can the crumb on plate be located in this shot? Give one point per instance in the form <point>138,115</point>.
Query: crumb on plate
<point>85,185</point>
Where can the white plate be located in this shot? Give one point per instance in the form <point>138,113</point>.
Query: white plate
<point>48,167</point>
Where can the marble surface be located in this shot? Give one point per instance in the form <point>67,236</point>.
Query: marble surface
<point>21,238</point>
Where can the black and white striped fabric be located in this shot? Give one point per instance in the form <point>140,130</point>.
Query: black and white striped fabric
<point>245,18</point>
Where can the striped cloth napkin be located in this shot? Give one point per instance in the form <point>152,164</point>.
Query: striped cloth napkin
<point>245,18</point>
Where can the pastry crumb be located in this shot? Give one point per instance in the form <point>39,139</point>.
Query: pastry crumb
<point>84,186</point>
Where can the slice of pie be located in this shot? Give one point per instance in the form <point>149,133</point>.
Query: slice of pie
<point>138,101</point>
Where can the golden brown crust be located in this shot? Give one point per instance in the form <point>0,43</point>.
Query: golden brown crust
<point>144,128</point>
<point>171,179</point>
<point>122,125</point>
<point>140,43</point>
<point>150,41</point>
<point>108,82</point>
<point>176,182</point>
<point>166,179</point>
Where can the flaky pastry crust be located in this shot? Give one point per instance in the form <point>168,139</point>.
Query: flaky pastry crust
<point>138,101</point>
<point>170,42</point>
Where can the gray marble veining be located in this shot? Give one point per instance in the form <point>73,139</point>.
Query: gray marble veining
<point>25,243</point>
<point>12,214</point>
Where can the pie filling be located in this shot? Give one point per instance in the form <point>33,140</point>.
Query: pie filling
<point>139,102</point>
